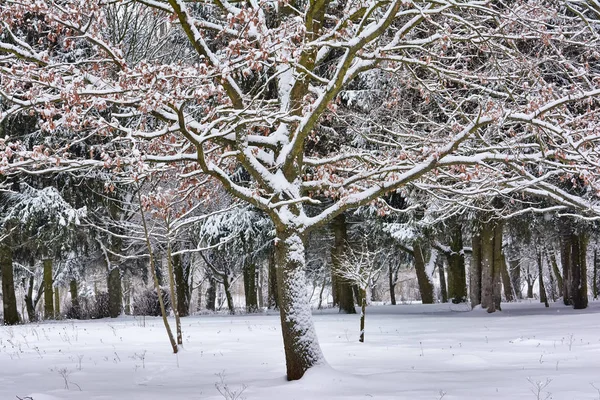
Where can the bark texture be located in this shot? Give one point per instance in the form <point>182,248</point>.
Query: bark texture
<point>301,346</point>
<point>345,295</point>
<point>115,293</point>
<point>48,290</point>
<point>181,269</point>
<point>250,292</point>
<point>423,279</point>
<point>457,276</point>
<point>9,299</point>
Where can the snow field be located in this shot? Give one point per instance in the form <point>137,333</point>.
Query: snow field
<point>411,352</point>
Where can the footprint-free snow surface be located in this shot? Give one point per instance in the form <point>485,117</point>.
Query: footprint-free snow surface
<point>411,352</point>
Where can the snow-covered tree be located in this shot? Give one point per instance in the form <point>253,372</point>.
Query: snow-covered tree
<point>482,92</point>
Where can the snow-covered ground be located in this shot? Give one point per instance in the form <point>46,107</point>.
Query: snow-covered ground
<point>411,352</point>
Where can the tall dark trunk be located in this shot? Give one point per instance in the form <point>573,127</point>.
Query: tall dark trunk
<point>9,299</point>
<point>181,270</point>
<point>29,302</point>
<point>442,274</point>
<point>515,277</point>
<point>345,295</point>
<point>115,294</point>
<point>579,271</point>
<point>57,314</point>
<point>556,271</point>
<point>272,292</point>
<point>302,350</point>
<point>250,287</point>
<point>75,306</point>
<point>498,265</point>
<point>595,282</point>
<point>392,284</point>
<point>228,295</point>
<point>506,281</point>
<point>423,279</point>
<point>211,294</point>
<point>475,272</point>
<point>541,285</point>
<point>457,276</point>
<point>48,290</point>
<point>487,266</point>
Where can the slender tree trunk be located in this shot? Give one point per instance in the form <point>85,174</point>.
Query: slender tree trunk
<point>48,290</point>
<point>259,286</point>
<point>345,294</point>
<point>487,267</point>
<point>595,282</point>
<point>515,276</point>
<point>250,287</point>
<point>57,303</point>
<point>423,278</point>
<point>211,294</point>
<point>153,269</point>
<point>302,350</point>
<point>29,303</point>
<point>182,287</point>
<point>228,296</point>
<point>320,306</point>
<point>440,267</point>
<point>363,311</point>
<point>579,293</point>
<point>541,286</point>
<point>566,258</point>
<point>75,306</point>
<point>9,299</point>
<point>115,292</point>
<point>127,294</point>
<point>552,282</point>
<point>174,298</point>
<point>392,285</point>
<point>272,295</point>
<point>457,276</point>
<point>497,267</point>
<point>556,271</point>
<point>475,273</point>
<point>506,281</point>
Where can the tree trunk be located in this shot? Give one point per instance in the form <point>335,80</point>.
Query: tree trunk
<point>302,350</point>
<point>579,271</point>
<point>345,295</point>
<point>272,292</point>
<point>392,284</point>
<point>75,306</point>
<point>48,290</point>
<point>515,276</point>
<point>506,281</point>
<point>530,281</point>
<point>440,267</point>
<point>29,303</point>
<point>556,271</point>
<point>475,273</point>
<point>363,310</point>
<point>423,278</point>
<point>181,271</point>
<point>9,299</point>
<point>566,258</point>
<point>250,287</point>
<point>498,261</point>
<point>595,282</point>
<point>57,303</point>
<point>541,286</point>
<point>259,287</point>
<point>211,294</point>
<point>320,306</point>
<point>228,296</point>
<point>487,266</point>
<point>457,276</point>
<point>115,297</point>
